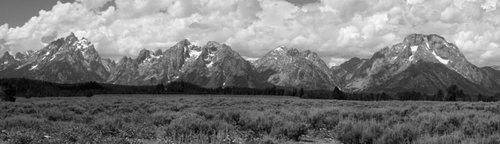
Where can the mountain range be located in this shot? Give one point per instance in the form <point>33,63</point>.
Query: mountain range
<point>424,63</point>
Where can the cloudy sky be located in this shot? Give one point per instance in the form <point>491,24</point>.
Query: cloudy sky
<point>336,29</point>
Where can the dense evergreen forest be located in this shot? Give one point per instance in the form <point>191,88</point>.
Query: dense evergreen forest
<point>20,87</point>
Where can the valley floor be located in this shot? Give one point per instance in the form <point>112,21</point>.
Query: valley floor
<point>245,119</point>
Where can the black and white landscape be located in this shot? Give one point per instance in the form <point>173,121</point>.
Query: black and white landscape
<point>422,63</point>
<point>250,71</point>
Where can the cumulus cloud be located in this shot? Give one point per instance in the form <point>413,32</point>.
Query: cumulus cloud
<point>336,29</point>
<point>3,36</point>
<point>93,4</point>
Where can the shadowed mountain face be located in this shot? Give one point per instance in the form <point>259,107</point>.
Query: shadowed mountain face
<point>424,63</point>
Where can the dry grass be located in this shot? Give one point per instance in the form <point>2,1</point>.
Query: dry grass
<point>245,119</point>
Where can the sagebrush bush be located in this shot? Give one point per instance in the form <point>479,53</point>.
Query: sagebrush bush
<point>163,118</point>
<point>326,120</point>
<point>21,121</point>
<point>57,115</point>
<point>398,134</point>
<point>290,130</point>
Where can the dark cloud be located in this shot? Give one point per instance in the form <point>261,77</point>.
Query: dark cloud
<point>107,5</point>
<point>49,38</point>
<point>303,2</point>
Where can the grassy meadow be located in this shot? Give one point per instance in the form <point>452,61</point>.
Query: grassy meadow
<point>245,119</point>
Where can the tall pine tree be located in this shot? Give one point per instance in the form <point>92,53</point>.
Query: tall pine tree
<point>454,92</point>
<point>338,94</point>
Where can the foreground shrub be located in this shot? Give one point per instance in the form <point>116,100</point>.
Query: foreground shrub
<point>118,127</point>
<point>443,139</point>
<point>324,120</point>
<point>23,138</point>
<point>400,133</point>
<point>260,123</point>
<point>163,118</point>
<point>193,128</point>
<point>57,115</point>
<point>358,132</point>
<point>195,124</point>
<point>290,130</point>
<point>21,121</point>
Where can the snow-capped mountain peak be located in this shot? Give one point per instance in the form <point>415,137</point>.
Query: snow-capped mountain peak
<point>66,60</point>
<point>420,62</point>
<point>83,44</point>
<point>210,66</point>
<point>400,61</point>
<point>280,49</point>
<point>193,52</point>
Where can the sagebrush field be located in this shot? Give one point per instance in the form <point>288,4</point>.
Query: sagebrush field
<point>245,119</point>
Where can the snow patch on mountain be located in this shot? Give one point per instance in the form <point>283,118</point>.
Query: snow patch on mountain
<point>48,53</point>
<point>394,58</point>
<point>444,61</point>
<point>211,64</point>
<point>53,57</point>
<point>279,49</point>
<point>414,49</point>
<point>34,67</point>
<point>193,55</point>
<point>82,44</point>
<point>210,56</point>
<point>153,57</point>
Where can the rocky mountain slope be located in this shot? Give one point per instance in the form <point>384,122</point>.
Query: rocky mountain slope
<point>290,67</point>
<point>424,63</point>
<point>66,60</point>
<point>494,67</point>
<point>213,65</point>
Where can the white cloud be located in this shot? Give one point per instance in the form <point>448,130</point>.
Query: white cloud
<point>410,2</point>
<point>3,35</point>
<point>489,5</point>
<point>3,31</point>
<point>93,4</point>
<point>348,35</point>
<point>480,47</point>
<point>336,29</point>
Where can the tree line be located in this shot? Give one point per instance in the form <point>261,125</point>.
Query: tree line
<point>20,87</point>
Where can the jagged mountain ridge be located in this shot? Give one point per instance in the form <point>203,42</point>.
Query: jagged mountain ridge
<point>396,67</point>
<point>65,60</point>
<point>290,67</point>
<point>213,65</point>
<point>73,60</point>
<point>423,63</point>
<point>494,67</point>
